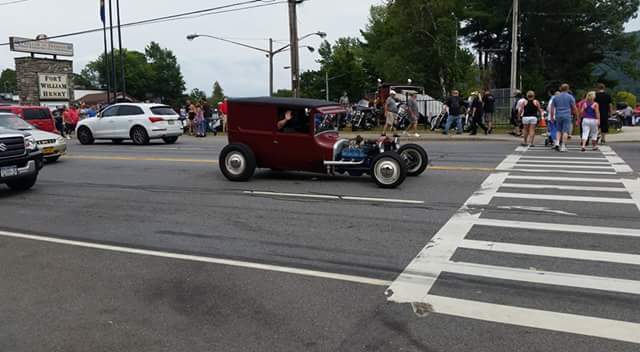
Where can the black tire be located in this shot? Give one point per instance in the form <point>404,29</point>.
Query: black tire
<point>139,136</point>
<point>237,162</point>
<point>52,159</point>
<point>170,140</point>
<point>85,136</point>
<point>23,184</point>
<point>116,141</point>
<point>416,158</point>
<point>388,162</point>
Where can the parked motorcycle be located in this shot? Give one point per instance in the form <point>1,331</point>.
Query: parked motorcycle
<point>363,119</point>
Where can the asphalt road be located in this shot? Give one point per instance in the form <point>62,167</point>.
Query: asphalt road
<point>285,287</point>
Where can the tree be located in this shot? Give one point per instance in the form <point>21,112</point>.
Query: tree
<point>197,95</point>
<point>585,32</point>
<point>626,98</point>
<point>218,94</point>
<point>166,80</point>
<point>8,81</point>
<point>283,93</point>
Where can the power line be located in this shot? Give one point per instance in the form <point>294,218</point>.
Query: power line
<point>205,12</point>
<point>12,2</point>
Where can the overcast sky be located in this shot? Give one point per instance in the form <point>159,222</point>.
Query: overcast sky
<point>240,71</point>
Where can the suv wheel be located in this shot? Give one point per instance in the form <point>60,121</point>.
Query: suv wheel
<point>170,140</point>
<point>85,136</point>
<point>23,184</point>
<point>416,158</point>
<point>237,162</point>
<point>139,136</point>
<point>388,170</point>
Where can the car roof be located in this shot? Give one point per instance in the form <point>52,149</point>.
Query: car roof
<point>288,102</point>
<point>149,105</point>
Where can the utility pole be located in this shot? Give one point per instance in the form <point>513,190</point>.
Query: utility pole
<point>326,83</point>
<point>514,49</point>
<point>122,68</point>
<point>270,67</point>
<point>113,57</point>
<point>295,55</point>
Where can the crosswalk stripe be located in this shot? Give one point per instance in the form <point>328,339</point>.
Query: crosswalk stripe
<point>565,162</point>
<point>502,247</point>
<point>540,277</point>
<point>562,158</point>
<point>595,167</point>
<point>549,171</point>
<point>565,188</point>
<point>535,318</point>
<point>564,198</point>
<point>566,179</point>
<point>529,225</point>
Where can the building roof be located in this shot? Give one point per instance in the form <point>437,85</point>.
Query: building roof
<point>101,98</point>
<point>288,102</point>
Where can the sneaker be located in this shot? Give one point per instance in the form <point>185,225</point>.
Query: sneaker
<point>595,149</point>
<point>556,147</point>
<point>583,149</point>
<point>564,149</point>
<point>532,145</point>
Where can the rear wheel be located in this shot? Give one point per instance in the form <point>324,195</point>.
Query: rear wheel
<point>388,170</point>
<point>85,136</point>
<point>24,183</point>
<point>139,136</point>
<point>237,162</point>
<point>170,140</point>
<point>416,158</point>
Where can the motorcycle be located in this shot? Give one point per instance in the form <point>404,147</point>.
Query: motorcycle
<point>363,118</point>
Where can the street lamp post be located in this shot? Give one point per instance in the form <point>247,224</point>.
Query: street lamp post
<point>270,53</point>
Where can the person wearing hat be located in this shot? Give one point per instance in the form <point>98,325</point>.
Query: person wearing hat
<point>390,112</point>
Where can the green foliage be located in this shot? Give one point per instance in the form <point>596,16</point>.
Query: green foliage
<point>626,97</point>
<point>218,94</point>
<point>8,82</point>
<point>197,96</point>
<point>283,93</point>
<point>153,74</point>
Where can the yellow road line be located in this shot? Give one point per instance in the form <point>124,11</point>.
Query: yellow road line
<point>140,158</point>
<point>208,161</point>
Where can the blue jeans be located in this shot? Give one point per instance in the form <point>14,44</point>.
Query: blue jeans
<point>450,119</point>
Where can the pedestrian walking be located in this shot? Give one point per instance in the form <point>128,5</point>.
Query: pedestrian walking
<point>563,108</point>
<point>191,114</point>
<point>58,118</point>
<point>590,121</point>
<point>453,105</point>
<point>489,106</point>
<point>414,114</point>
<point>390,113</point>
<point>477,110</point>
<point>529,114</point>
<point>223,108</point>
<point>519,102</point>
<point>198,121</point>
<point>208,116</point>
<point>605,105</point>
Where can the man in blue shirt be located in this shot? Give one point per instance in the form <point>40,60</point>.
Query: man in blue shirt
<point>563,108</point>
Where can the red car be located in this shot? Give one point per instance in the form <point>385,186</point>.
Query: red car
<point>302,135</point>
<point>38,116</point>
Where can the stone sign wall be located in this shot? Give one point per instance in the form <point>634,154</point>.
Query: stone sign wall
<point>28,71</point>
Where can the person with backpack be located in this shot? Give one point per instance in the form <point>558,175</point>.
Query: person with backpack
<point>453,105</point>
<point>528,113</point>
<point>589,117</point>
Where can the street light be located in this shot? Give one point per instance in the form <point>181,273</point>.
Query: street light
<point>270,53</point>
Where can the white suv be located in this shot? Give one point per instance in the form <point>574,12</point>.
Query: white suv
<point>137,122</point>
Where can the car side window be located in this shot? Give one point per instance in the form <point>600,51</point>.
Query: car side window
<point>299,123</point>
<point>110,112</point>
<point>128,110</point>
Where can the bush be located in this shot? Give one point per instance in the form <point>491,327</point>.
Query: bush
<point>626,98</point>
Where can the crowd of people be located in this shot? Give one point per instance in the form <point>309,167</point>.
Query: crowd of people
<point>480,108</point>
<point>198,117</point>
<point>66,118</point>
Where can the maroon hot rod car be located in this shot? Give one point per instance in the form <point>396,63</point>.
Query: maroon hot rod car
<point>302,135</point>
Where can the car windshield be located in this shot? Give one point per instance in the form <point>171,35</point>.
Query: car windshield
<point>326,122</point>
<point>15,123</point>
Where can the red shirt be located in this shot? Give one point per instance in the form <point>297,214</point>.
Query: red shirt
<point>71,116</point>
<point>224,108</point>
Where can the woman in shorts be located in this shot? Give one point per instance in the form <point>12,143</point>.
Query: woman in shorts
<point>590,121</point>
<point>529,113</point>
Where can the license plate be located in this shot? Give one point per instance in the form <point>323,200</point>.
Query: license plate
<point>48,150</point>
<point>8,171</point>
<point>171,122</point>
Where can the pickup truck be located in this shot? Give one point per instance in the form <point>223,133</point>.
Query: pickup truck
<point>20,159</point>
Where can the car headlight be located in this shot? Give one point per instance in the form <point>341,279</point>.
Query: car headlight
<point>30,143</point>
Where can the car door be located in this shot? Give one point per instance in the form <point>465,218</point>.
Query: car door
<point>294,144</point>
<point>105,124</point>
<point>127,117</point>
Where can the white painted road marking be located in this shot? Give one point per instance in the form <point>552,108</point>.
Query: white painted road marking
<point>333,197</point>
<point>202,259</point>
<point>413,285</point>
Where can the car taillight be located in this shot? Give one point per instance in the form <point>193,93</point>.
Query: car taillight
<point>156,119</point>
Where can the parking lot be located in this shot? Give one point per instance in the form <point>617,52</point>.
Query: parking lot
<point>150,248</point>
